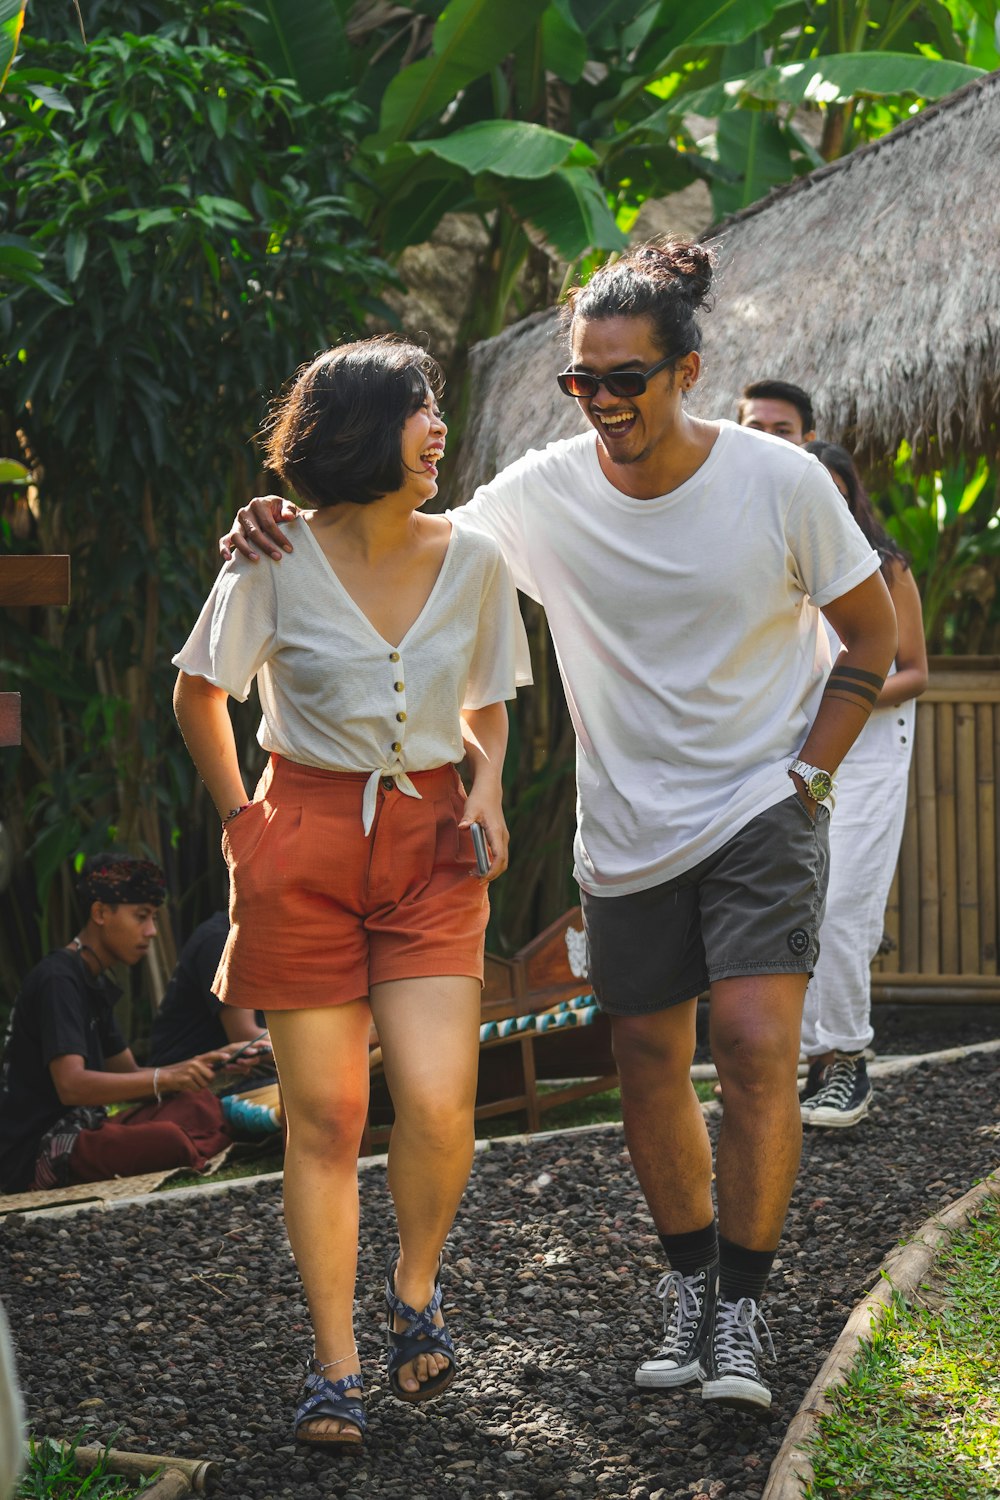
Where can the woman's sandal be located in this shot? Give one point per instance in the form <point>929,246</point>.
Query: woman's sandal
<point>421,1336</point>
<point>329,1398</point>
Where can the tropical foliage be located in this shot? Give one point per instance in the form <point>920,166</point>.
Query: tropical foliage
<point>948,522</point>
<point>557,119</point>
<point>189,212</point>
<point>11,21</point>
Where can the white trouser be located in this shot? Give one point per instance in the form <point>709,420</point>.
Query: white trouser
<point>865,833</point>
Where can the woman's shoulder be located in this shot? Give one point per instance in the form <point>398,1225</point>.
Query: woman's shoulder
<point>471,543</point>
<point>266,579</point>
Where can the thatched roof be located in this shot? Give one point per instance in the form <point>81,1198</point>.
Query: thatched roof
<point>874,283</point>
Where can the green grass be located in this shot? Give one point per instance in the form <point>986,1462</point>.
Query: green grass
<point>258,1165</point>
<point>51,1474</point>
<point>919,1415</point>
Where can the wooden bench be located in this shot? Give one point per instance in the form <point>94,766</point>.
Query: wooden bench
<point>538,1023</point>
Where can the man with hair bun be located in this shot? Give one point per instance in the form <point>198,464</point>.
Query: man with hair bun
<point>675,558</point>
<point>65,1058</point>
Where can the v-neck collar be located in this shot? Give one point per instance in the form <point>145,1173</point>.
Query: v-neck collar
<point>356,607</point>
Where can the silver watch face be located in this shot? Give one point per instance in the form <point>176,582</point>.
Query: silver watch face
<point>819,785</point>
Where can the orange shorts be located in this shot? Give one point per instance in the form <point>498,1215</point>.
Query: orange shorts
<point>320,912</point>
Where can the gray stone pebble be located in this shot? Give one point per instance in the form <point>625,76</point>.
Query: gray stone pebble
<point>186,1319</point>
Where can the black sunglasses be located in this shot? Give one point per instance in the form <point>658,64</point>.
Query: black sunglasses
<point>582,384</point>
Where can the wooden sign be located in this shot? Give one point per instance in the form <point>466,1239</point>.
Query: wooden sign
<point>24,581</point>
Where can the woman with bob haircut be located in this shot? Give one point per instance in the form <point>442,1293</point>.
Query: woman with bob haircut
<point>384,651</point>
<point>865,834</point>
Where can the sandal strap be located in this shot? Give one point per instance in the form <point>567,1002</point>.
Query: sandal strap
<point>409,1314</point>
<point>428,1340</point>
<point>421,1334</point>
<point>328,1398</point>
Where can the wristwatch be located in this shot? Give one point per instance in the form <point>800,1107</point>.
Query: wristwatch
<point>819,784</point>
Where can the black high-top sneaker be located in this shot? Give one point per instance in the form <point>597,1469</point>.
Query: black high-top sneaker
<point>814,1079</point>
<point>732,1376</point>
<point>844,1095</point>
<point>688,1307</point>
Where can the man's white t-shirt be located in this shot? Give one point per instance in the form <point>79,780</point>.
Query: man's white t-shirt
<point>692,664</point>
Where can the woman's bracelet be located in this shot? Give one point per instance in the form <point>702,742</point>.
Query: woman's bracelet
<point>234,812</point>
<point>156,1085</point>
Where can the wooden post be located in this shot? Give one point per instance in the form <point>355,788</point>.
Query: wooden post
<point>23,581</point>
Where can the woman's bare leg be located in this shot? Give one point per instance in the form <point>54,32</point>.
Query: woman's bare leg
<point>322,1061</point>
<point>429,1031</point>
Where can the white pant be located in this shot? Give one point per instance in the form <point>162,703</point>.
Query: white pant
<point>865,833</point>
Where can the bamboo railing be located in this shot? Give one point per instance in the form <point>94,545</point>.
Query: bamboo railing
<point>942,913</point>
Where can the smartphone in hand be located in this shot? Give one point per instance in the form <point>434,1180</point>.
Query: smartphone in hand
<point>217,1067</point>
<point>482,852</point>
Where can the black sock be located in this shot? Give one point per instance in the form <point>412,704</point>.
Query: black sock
<point>743,1272</point>
<point>688,1253</point>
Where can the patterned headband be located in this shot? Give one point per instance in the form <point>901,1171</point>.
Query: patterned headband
<point>122,881</point>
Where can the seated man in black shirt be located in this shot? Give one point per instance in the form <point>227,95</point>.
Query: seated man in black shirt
<point>66,1059</point>
<point>190,1018</point>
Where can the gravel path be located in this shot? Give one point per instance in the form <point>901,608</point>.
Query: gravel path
<point>181,1327</point>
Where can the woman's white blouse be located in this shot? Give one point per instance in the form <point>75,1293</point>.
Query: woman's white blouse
<point>333,693</point>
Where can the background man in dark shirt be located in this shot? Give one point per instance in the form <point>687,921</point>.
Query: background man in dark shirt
<point>190,1018</point>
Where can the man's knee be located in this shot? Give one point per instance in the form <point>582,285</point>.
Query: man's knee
<point>754,1025</point>
<point>756,1052</point>
<point>654,1049</point>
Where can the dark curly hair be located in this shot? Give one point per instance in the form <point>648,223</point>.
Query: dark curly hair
<point>666,281</point>
<point>334,435</point>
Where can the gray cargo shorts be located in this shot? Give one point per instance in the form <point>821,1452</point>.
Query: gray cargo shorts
<point>753,907</point>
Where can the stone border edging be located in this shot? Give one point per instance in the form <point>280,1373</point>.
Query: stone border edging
<point>179,1195</point>
<point>902,1271</point>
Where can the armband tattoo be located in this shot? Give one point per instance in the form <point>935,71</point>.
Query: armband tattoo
<point>853,685</point>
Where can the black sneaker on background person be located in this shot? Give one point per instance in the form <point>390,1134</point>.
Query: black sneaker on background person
<point>814,1079</point>
<point>843,1096</point>
<point>731,1371</point>
<point>688,1310</point>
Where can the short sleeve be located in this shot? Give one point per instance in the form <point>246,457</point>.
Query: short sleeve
<point>497,509</point>
<point>501,662</point>
<point>62,1020</point>
<point>236,630</point>
<point>831,553</point>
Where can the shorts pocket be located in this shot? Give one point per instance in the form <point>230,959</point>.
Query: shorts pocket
<point>460,840</point>
<point>810,818</point>
<point>242,834</point>
<point>450,841</point>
